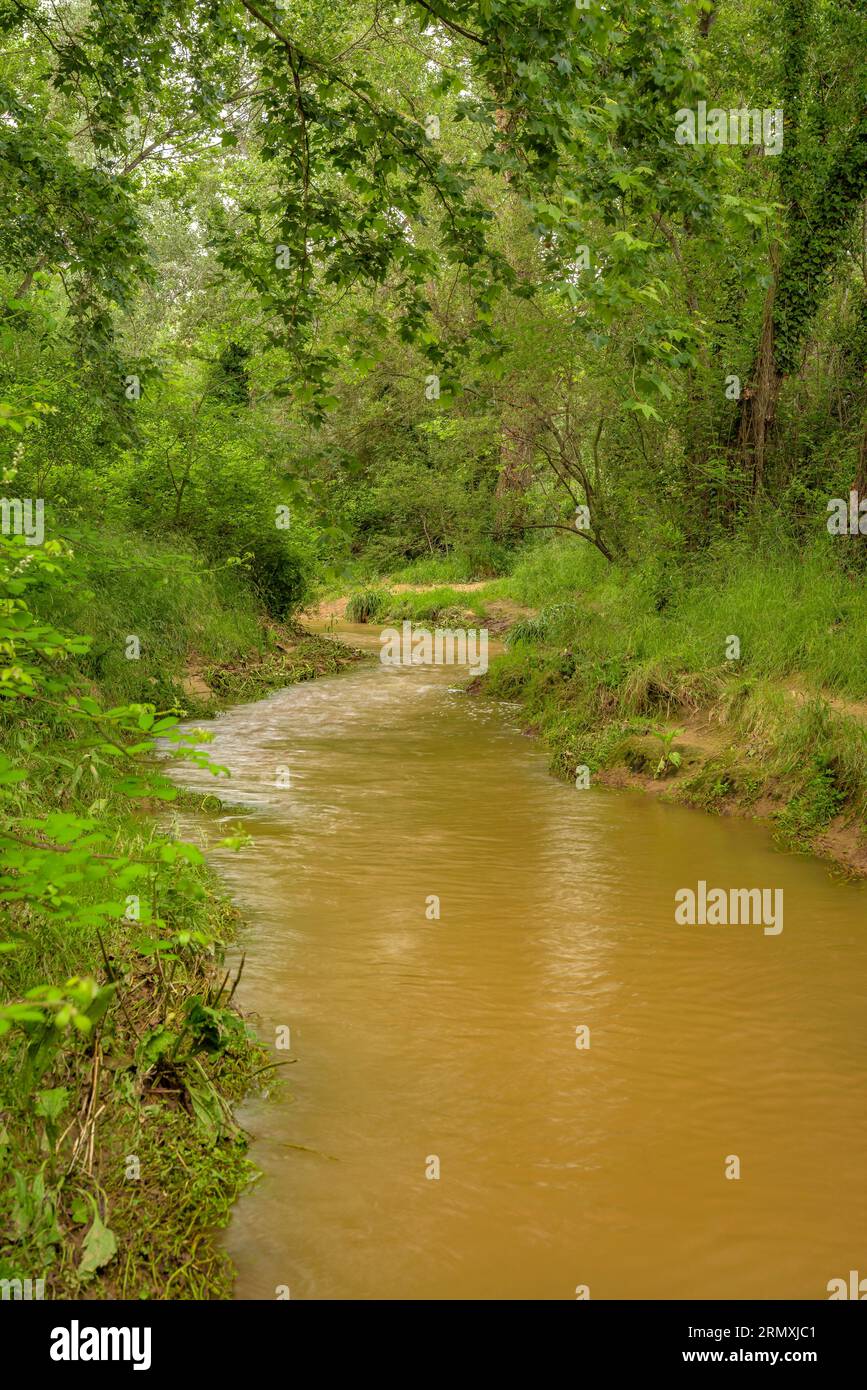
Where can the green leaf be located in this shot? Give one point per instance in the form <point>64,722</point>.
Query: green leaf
<point>51,1104</point>
<point>100,1246</point>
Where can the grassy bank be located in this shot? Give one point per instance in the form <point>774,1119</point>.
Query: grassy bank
<point>439,604</point>
<point>735,681</point>
<point>202,639</point>
<point>123,1052</point>
<point>750,666</point>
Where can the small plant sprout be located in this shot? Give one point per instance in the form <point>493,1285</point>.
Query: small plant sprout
<point>670,756</point>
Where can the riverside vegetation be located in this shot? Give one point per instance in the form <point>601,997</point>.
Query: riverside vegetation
<point>429,304</point>
<point>123,1054</point>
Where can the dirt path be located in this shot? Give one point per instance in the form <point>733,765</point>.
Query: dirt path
<point>801,693</point>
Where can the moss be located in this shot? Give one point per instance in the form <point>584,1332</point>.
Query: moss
<point>722,781</point>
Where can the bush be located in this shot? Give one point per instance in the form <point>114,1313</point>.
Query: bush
<point>224,494</point>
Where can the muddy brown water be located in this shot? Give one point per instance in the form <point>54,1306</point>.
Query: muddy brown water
<point>455,1039</point>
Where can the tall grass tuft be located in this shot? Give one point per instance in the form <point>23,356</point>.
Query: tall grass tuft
<point>367,605</point>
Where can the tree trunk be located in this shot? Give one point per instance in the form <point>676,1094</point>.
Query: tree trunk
<point>760,397</point>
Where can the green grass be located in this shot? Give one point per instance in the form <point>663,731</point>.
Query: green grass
<point>548,572</point>
<point>458,567</point>
<point>441,606</point>
<point>367,605</point>
<point>436,606</point>
<point>612,655</point>
<point>794,613</point>
<point>175,604</point>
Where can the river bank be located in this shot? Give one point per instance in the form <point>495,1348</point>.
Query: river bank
<point>788,756</point>
<point>734,689</point>
<point>514,1071</point>
<point>120,1157</point>
<point>123,1158</point>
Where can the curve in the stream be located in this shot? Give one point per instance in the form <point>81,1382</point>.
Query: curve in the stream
<point>454,1039</point>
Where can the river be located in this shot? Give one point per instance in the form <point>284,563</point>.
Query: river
<point>424,1045</point>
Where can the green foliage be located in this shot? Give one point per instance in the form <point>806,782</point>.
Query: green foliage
<point>367,605</point>
<point>544,627</point>
<point>591,674</point>
<point>117,584</point>
<point>671,757</point>
<point>259,321</point>
<point>78,881</point>
<point>457,567</point>
<point>442,606</point>
<point>795,612</point>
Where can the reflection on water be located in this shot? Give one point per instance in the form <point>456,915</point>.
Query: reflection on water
<point>456,1037</point>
